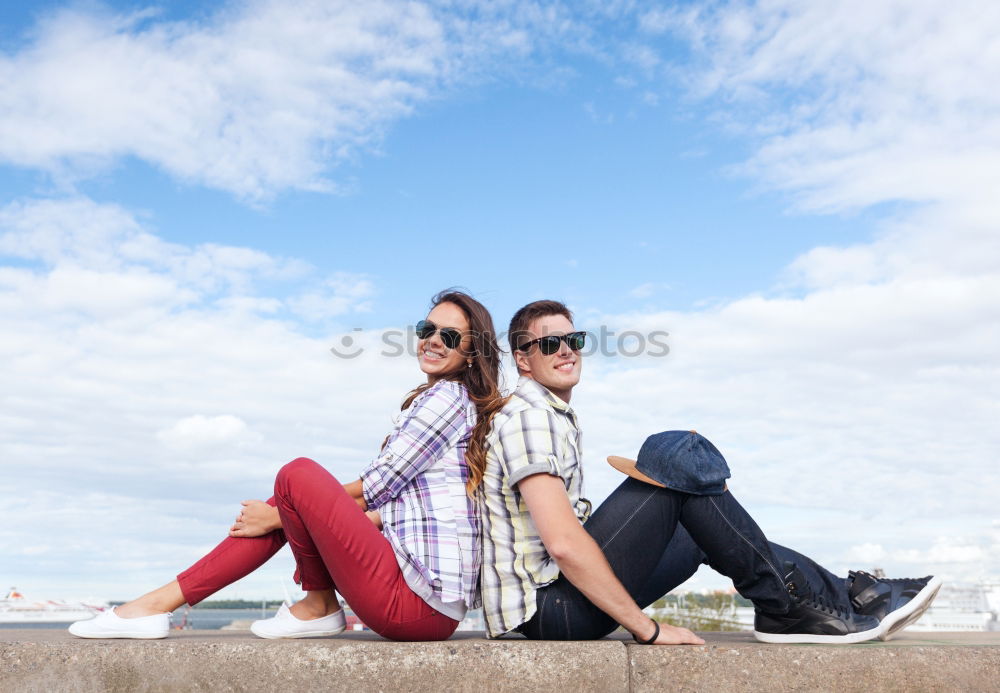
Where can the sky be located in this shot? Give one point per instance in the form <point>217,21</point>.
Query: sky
<point>202,204</point>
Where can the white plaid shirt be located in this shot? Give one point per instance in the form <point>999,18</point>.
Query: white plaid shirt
<point>418,486</point>
<point>535,433</point>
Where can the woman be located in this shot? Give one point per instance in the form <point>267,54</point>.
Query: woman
<point>414,579</point>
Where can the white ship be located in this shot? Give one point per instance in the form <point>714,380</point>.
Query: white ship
<point>15,608</point>
<point>968,607</point>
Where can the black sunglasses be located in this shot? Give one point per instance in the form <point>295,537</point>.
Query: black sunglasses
<point>550,344</point>
<point>450,337</point>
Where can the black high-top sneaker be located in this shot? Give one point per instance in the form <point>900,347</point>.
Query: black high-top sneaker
<point>813,618</point>
<point>895,602</point>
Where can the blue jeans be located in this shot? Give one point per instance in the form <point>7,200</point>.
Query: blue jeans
<point>655,539</point>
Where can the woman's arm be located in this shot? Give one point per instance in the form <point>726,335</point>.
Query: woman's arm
<point>432,426</point>
<point>257,518</point>
<point>355,491</point>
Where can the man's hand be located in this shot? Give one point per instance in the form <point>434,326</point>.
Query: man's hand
<point>675,635</point>
<point>583,563</point>
<point>669,635</point>
<point>255,520</point>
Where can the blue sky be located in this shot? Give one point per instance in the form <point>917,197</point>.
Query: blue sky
<point>195,203</point>
<point>566,180</point>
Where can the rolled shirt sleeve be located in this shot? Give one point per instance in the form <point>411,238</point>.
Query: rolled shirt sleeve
<point>431,425</point>
<point>530,445</point>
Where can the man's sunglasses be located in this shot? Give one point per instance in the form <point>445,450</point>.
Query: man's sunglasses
<point>450,337</point>
<point>550,344</point>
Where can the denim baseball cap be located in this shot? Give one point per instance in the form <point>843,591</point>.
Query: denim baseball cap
<point>681,460</point>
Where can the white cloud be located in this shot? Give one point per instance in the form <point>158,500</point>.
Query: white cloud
<point>79,235</point>
<point>149,370</point>
<point>193,432</point>
<point>255,98</point>
<point>853,399</point>
<point>867,554</point>
<point>648,289</point>
<point>855,103</point>
<point>955,553</point>
<point>258,98</point>
<point>341,293</point>
<point>943,553</point>
<point>857,419</point>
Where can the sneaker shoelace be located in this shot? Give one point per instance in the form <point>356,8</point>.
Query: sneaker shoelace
<point>818,601</point>
<point>885,579</point>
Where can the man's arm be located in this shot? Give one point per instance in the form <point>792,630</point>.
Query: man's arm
<point>583,563</point>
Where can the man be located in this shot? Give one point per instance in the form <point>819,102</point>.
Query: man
<point>553,570</point>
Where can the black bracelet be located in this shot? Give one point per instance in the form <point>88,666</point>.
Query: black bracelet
<point>656,634</point>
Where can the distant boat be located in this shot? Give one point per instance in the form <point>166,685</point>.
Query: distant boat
<point>16,608</point>
<point>969,607</point>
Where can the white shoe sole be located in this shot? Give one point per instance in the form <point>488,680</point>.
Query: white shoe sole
<point>808,638</point>
<point>297,634</point>
<point>262,633</point>
<point>118,634</point>
<point>123,636</point>
<point>907,614</point>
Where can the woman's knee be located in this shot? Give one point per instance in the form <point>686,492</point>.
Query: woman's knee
<point>301,467</point>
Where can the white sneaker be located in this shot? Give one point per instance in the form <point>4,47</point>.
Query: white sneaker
<point>108,624</point>
<point>285,624</point>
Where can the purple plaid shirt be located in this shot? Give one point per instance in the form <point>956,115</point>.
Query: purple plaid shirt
<point>418,485</point>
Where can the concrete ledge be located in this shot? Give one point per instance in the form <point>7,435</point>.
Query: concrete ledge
<point>54,661</point>
<point>955,662</point>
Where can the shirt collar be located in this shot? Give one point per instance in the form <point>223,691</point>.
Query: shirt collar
<point>536,393</point>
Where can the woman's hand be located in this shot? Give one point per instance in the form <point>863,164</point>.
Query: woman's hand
<point>255,520</point>
<point>375,517</point>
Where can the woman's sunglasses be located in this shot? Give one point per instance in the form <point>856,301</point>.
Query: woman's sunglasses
<point>550,344</point>
<point>450,337</point>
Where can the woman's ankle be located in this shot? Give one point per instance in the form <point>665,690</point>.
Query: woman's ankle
<point>137,608</point>
<point>316,605</point>
<point>160,601</point>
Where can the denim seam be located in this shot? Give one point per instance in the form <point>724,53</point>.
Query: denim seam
<point>541,614</point>
<point>749,543</point>
<point>629,519</point>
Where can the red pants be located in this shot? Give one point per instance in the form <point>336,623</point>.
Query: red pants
<point>335,546</point>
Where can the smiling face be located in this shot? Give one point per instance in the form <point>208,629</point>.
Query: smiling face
<point>436,359</point>
<point>558,372</point>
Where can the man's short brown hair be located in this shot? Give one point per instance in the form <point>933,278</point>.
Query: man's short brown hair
<point>518,333</point>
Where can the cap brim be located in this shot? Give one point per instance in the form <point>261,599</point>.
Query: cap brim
<point>627,466</point>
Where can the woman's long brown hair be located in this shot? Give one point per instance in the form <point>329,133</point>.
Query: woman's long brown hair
<point>481,380</point>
